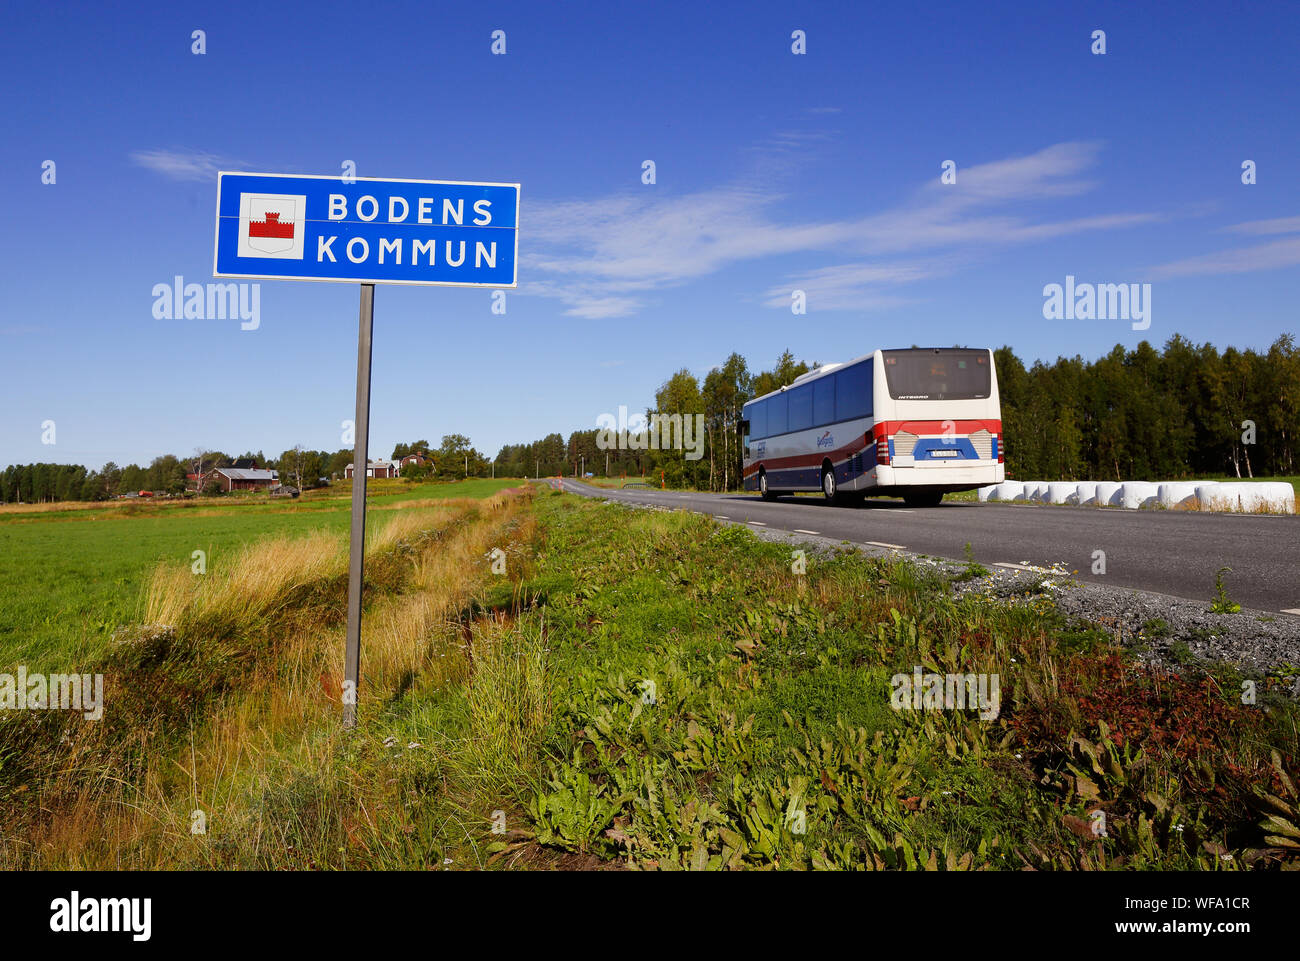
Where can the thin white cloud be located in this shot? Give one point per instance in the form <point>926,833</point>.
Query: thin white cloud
<point>601,257</point>
<point>849,286</point>
<point>1278,225</point>
<point>1270,256</point>
<point>183,164</point>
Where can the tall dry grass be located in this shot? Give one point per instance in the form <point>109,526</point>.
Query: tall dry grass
<point>266,764</point>
<point>258,581</point>
<point>49,506</point>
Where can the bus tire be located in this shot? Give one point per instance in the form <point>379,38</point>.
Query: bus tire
<point>762,487</point>
<point>830,489</point>
<point>923,499</point>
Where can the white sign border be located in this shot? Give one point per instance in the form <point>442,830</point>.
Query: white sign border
<point>216,232</point>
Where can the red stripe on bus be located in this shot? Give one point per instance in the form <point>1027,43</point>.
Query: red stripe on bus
<point>891,427</point>
<point>809,460</point>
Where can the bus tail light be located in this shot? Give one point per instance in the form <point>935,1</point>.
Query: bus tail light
<point>882,450</point>
<point>1002,448</point>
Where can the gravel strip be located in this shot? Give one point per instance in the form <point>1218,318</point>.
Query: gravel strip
<point>1165,630</point>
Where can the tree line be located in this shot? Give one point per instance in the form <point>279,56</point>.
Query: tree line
<point>714,404</point>
<point>166,474</point>
<point>173,474</point>
<point>1184,411</point>
<point>1134,413</point>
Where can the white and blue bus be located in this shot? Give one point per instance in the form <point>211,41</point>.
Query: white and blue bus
<point>916,423</point>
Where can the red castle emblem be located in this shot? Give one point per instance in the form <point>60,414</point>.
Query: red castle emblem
<point>270,227</point>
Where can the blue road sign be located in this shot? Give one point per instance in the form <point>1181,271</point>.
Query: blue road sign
<point>364,230</point>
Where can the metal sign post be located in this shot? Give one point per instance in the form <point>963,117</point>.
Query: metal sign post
<point>357,544</point>
<point>367,231</point>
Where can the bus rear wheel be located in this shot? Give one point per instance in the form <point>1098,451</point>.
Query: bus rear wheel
<point>829,489</point>
<point>923,499</point>
<point>762,487</point>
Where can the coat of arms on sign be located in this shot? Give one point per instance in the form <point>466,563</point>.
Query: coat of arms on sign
<point>272,225</point>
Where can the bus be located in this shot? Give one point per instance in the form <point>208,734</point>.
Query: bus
<point>915,423</point>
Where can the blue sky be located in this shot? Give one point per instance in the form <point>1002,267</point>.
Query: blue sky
<point>774,171</point>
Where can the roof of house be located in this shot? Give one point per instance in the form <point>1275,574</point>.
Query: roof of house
<point>241,473</point>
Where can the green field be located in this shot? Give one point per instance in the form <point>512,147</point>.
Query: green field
<point>69,578</point>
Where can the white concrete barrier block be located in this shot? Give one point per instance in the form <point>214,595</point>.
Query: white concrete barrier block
<point>1275,496</point>
<point>1108,494</point>
<point>1213,498</point>
<point>1177,494</point>
<point>1034,490</point>
<point>986,493</point>
<point>1062,492</point>
<point>1137,494</point>
<point>1252,497</point>
<point>1085,492</point>
<point>1010,491</point>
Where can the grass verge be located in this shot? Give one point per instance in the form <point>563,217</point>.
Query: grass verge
<point>639,689</point>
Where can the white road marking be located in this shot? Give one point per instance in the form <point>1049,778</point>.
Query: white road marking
<point>1016,567</point>
<point>899,510</point>
<point>722,516</point>
<point>1291,610</point>
<point>757,523</point>
<point>800,530</point>
<point>892,547</point>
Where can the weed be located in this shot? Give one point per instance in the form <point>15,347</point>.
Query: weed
<point>973,568</point>
<point>1222,603</point>
<point>1156,627</point>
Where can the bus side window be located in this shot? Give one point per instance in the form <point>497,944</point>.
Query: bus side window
<point>758,420</point>
<point>853,392</point>
<point>801,405</point>
<point>824,401</point>
<point>776,414</point>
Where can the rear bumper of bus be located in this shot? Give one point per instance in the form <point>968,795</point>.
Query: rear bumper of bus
<point>940,476</point>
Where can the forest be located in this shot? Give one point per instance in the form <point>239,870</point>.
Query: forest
<point>1134,413</point>
<point>1137,413</point>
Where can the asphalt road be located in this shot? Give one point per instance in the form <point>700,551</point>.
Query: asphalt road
<point>1169,552</point>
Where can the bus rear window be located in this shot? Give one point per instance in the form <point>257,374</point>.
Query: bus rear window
<point>952,374</point>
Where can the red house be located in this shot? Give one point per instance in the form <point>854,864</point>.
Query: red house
<point>413,460</point>
<point>375,468</point>
<point>243,479</point>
